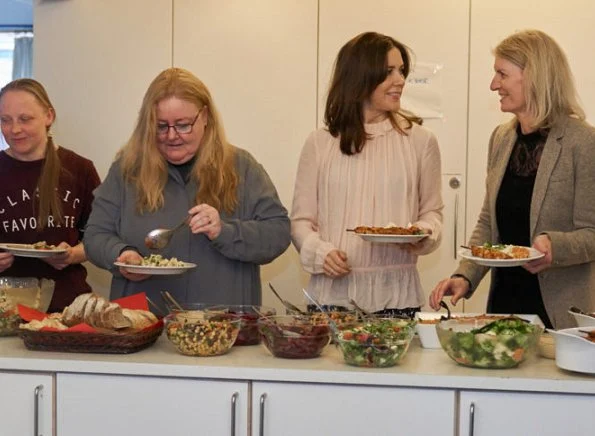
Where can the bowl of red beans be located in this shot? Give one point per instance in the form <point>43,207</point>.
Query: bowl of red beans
<point>294,336</point>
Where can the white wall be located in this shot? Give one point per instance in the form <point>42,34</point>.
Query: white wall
<point>267,63</point>
<point>96,60</point>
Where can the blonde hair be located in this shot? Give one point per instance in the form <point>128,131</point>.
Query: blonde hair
<point>549,88</point>
<point>49,202</point>
<point>145,167</point>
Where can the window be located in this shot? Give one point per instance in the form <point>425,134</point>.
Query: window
<point>6,52</point>
<point>22,54</point>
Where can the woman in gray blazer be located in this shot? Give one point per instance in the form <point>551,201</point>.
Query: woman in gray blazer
<point>539,188</point>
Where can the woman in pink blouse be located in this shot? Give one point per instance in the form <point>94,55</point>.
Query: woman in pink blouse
<point>371,165</point>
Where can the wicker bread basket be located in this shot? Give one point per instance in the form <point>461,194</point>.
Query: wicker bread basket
<point>83,342</point>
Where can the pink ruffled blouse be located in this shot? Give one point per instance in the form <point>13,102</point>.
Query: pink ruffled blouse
<point>395,179</point>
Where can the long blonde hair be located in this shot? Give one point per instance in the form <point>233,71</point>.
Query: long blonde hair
<point>145,167</point>
<point>49,202</point>
<point>550,93</point>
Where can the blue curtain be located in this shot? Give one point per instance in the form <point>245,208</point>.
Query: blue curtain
<point>22,58</point>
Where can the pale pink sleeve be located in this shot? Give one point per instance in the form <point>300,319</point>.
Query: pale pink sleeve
<point>430,197</point>
<point>304,212</point>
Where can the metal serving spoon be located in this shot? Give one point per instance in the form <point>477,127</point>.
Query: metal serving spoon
<point>332,324</point>
<point>290,307</point>
<point>157,239</point>
<point>171,301</point>
<point>363,314</point>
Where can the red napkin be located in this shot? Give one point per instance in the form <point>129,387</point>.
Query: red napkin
<point>135,302</point>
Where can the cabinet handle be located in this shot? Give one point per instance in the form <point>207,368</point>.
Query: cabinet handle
<point>262,398</point>
<point>456,226</point>
<point>38,394</point>
<point>471,419</point>
<point>234,400</point>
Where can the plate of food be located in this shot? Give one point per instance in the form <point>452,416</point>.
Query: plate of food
<point>157,265</point>
<point>38,249</point>
<point>500,255</point>
<point>390,234</point>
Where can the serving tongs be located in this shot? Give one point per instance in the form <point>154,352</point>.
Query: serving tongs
<point>289,306</point>
<point>445,306</point>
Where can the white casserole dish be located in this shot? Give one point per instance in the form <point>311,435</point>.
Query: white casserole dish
<point>573,352</point>
<point>583,320</point>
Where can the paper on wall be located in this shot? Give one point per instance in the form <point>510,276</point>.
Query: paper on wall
<point>423,91</point>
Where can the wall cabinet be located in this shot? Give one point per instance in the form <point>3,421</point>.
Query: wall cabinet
<point>296,409</point>
<point>97,405</point>
<point>26,404</point>
<point>522,414</point>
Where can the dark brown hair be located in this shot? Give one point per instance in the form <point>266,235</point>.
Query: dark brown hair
<point>49,203</point>
<point>360,67</point>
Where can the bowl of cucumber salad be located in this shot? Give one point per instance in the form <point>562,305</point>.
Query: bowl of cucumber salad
<point>487,342</point>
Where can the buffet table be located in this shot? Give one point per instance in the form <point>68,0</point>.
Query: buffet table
<point>248,391</point>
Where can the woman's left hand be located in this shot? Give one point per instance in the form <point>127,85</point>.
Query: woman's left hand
<point>544,244</point>
<point>419,246</point>
<point>205,219</point>
<point>71,256</point>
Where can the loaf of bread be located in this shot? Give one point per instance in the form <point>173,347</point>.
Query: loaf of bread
<point>139,319</point>
<point>96,311</point>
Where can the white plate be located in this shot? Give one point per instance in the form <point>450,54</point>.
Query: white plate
<point>395,239</point>
<point>465,253</point>
<point>156,270</point>
<point>27,250</point>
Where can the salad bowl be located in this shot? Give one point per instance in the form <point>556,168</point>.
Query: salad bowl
<point>487,343</point>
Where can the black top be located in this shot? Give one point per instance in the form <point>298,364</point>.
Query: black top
<point>515,290</point>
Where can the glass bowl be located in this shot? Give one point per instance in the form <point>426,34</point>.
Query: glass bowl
<point>376,342</point>
<point>196,333</point>
<point>248,316</point>
<point>9,322</point>
<point>294,336</point>
<point>484,343</point>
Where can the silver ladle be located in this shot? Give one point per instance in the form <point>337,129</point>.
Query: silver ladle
<point>157,239</point>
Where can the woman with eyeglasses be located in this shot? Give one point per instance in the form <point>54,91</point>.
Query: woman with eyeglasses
<point>178,163</point>
<point>46,193</point>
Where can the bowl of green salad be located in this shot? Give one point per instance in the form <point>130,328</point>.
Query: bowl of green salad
<point>489,341</point>
<point>376,342</point>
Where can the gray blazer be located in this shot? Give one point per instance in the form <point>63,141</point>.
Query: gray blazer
<point>562,206</point>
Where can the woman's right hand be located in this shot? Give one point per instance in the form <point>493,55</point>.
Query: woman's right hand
<point>6,260</point>
<point>455,286</point>
<point>336,265</point>
<point>133,258</point>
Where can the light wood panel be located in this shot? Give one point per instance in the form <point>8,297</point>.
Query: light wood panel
<point>259,61</point>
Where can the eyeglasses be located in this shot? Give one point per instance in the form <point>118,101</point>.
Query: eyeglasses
<point>180,128</point>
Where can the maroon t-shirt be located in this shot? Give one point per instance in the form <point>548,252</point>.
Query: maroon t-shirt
<point>18,219</point>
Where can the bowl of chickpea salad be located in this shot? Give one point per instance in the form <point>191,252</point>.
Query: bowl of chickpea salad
<point>201,333</point>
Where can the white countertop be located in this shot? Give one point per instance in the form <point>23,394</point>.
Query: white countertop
<point>420,368</point>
